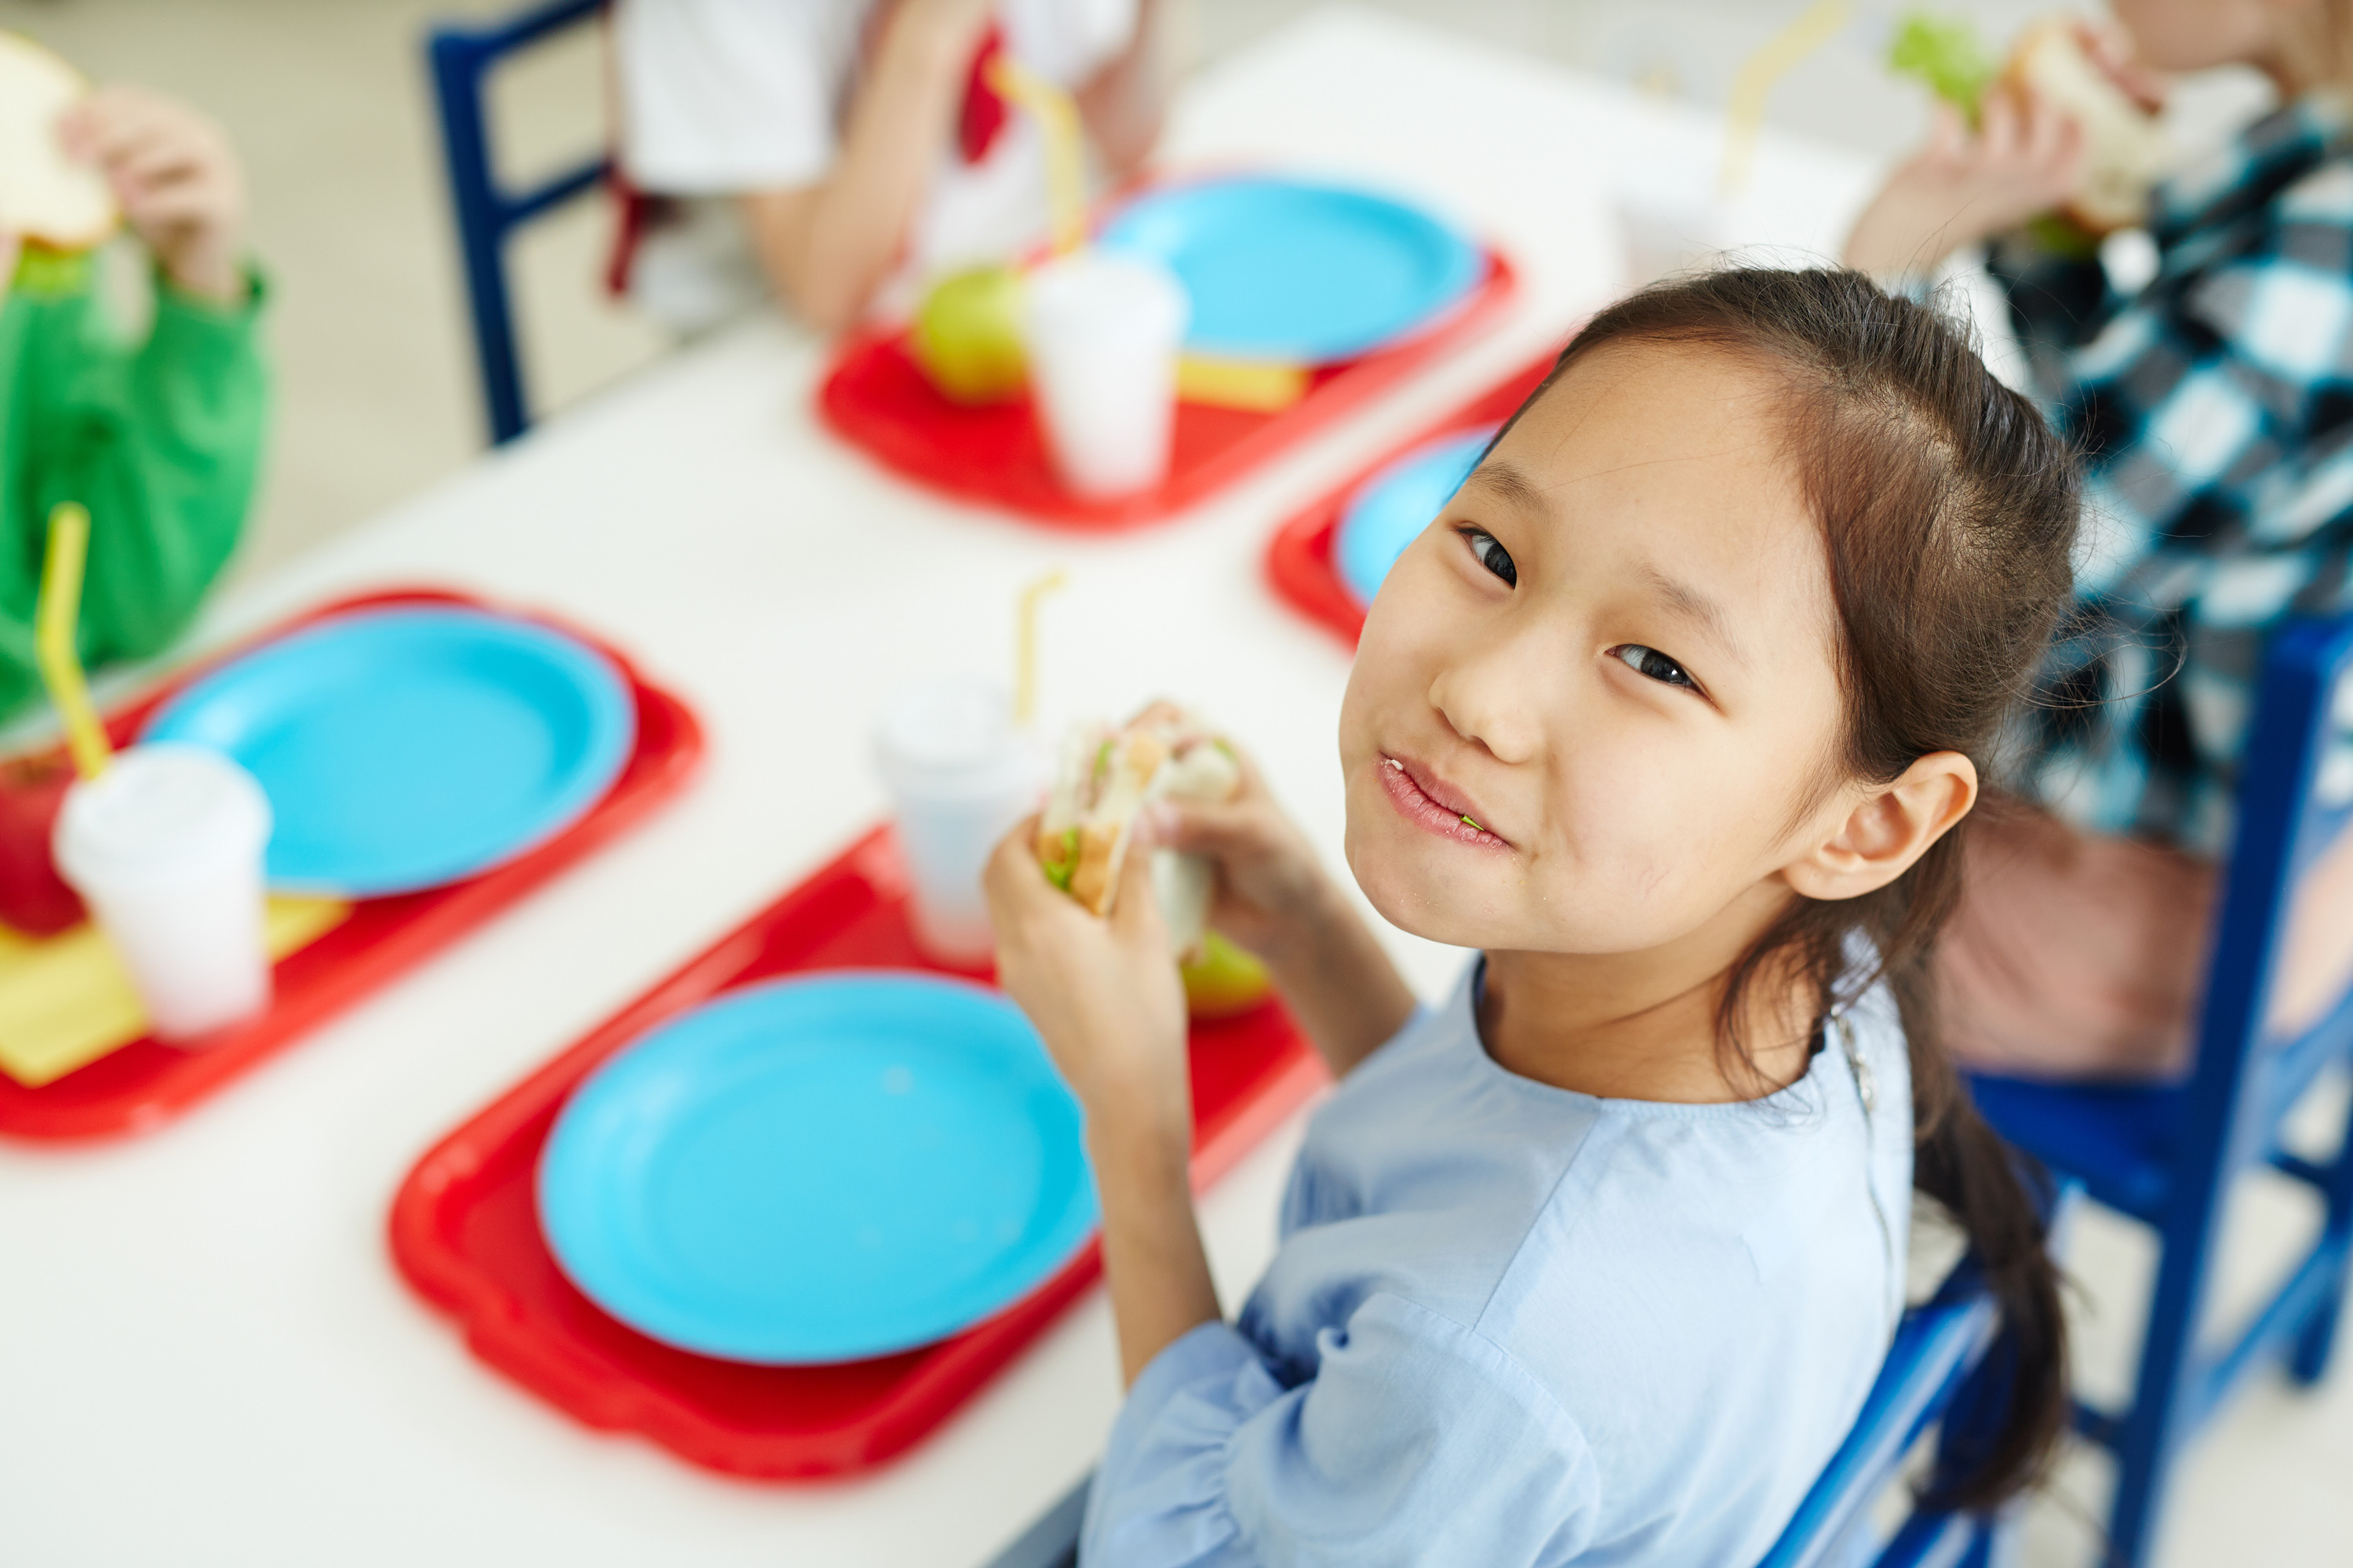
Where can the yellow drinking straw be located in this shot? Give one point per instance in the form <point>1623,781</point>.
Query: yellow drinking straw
<point>53,638</point>
<point>1815,26</point>
<point>1025,647</point>
<point>1058,119</point>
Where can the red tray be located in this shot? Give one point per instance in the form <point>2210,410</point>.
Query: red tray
<point>144,1084</point>
<point>1299,557</point>
<point>877,398</point>
<point>465,1228</point>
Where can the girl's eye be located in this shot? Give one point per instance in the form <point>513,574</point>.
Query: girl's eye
<point>1649,661</point>
<point>1493,555</point>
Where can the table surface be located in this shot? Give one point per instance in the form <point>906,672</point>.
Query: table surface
<point>205,1355</point>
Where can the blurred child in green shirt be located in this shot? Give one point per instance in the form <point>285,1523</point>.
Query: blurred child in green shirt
<point>160,440</point>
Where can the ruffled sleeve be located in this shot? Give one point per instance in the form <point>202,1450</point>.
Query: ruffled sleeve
<point>1417,1441</point>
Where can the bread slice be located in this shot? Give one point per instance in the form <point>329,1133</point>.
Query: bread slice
<point>45,196</point>
<point>2126,152</point>
<point>1103,779</point>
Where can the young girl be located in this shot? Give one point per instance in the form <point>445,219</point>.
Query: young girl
<point>1672,712</point>
<point>814,144</point>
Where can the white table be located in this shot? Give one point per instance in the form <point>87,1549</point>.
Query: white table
<point>205,1355</point>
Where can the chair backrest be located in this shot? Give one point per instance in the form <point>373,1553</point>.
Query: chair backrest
<point>1938,1348</point>
<point>1945,1365</point>
<point>2295,797</point>
<point>462,58</point>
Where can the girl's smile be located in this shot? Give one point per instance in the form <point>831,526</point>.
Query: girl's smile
<point>1429,801</point>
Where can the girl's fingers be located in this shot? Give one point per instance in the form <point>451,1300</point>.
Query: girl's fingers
<point>1947,135</point>
<point>2051,123</point>
<point>1013,876</point>
<point>2067,157</point>
<point>1231,829</point>
<point>161,159</point>
<point>186,202</point>
<point>120,129</point>
<point>1998,127</point>
<point>2111,49</point>
<point>1159,710</point>
<point>1135,909</point>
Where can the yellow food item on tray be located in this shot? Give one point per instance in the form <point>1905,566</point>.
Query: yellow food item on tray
<point>65,1000</point>
<point>1257,386</point>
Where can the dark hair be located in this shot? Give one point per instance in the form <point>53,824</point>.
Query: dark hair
<point>1949,511</point>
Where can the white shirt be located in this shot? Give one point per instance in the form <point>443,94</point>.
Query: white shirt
<point>723,96</point>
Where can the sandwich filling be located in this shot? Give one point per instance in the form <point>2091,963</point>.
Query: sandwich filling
<point>1103,780</point>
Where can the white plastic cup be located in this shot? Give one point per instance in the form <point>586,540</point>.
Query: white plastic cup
<point>1673,221</point>
<point>1102,332</point>
<point>960,776</point>
<point>165,848</point>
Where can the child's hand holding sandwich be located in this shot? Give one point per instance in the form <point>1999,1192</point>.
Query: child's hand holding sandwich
<point>2067,125</point>
<point>1082,899</point>
<point>1107,983</point>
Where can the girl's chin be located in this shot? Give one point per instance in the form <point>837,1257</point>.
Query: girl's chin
<point>1421,884</point>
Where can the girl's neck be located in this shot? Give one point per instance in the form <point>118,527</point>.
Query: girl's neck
<point>1643,1026</point>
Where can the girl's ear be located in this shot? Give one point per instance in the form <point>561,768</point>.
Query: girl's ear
<point>1882,834</point>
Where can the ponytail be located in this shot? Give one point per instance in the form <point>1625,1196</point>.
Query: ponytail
<point>1988,1188</point>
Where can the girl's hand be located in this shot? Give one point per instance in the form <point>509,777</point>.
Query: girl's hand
<point>2024,160</point>
<point>1271,887</point>
<point>1104,992</point>
<point>2110,47</point>
<point>179,183</point>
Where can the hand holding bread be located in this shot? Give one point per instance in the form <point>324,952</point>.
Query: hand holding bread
<point>2067,126</point>
<point>1101,989</point>
<point>177,180</point>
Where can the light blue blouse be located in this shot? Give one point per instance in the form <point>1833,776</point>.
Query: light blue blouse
<point>1512,1324</point>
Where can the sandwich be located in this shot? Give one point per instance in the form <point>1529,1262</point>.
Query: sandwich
<point>2125,149</point>
<point>46,197</point>
<point>1102,781</point>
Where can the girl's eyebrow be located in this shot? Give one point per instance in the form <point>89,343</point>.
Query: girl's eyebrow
<point>1704,614</point>
<point>1502,478</point>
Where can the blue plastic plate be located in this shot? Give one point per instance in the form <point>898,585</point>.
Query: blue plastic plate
<point>404,748</point>
<point>819,1169</point>
<point>1300,273</point>
<point>1389,511</point>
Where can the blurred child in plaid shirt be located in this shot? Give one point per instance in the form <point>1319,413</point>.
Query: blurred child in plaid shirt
<point>2214,407</point>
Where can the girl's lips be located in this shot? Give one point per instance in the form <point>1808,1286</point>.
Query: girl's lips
<point>1417,794</point>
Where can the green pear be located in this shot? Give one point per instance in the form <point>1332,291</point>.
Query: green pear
<point>968,335</point>
<point>1224,981</point>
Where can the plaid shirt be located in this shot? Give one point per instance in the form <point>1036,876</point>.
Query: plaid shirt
<point>2215,411</point>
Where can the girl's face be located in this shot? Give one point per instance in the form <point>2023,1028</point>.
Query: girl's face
<point>1593,701</point>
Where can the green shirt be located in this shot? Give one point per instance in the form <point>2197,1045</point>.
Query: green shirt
<point>161,440</point>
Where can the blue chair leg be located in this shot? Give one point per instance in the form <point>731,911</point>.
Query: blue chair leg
<point>458,64</point>
<point>2148,1440</point>
<point>2308,1362</point>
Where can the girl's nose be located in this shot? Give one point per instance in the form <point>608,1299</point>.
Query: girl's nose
<point>1487,694</point>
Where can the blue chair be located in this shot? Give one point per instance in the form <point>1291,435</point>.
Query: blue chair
<point>1943,1366</point>
<point>2167,1155</point>
<point>461,60</point>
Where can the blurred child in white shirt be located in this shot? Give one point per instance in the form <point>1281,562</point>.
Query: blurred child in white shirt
<point>833,153</point>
